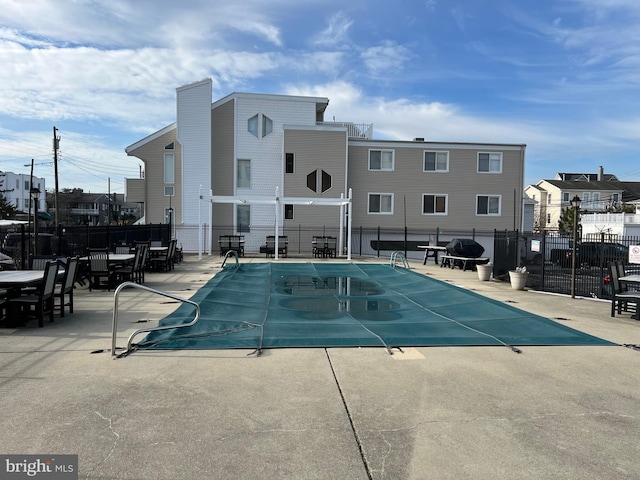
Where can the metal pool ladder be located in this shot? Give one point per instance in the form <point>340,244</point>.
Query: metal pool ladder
<point>394,260</point>
<point>116,295</point>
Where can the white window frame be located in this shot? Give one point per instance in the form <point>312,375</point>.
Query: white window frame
<point>169,163</point>
<point>489,197</point>
<point>381,195</point>
<point>586,199</point>
<point>382,168</point>
<point>252,125</point>
<point>243,171</point>
<point>615,197</point>
<point>566,197</point>
<point>436,169</point>
<point>491,170</point>
<point>436,195</point>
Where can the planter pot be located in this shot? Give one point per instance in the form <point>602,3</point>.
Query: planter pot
<point>484,272</point>
<point>518,279</point>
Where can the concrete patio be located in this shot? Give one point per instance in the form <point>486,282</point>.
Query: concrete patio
<point>352,413</point>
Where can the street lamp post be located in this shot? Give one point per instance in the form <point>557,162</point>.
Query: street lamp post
<point>35,198</point>
<point>575,203</point>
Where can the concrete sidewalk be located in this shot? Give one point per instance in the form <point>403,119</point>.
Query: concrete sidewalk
<point>352,413</point>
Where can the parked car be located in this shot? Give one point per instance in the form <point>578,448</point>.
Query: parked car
<point>7,263</point>
<point>592,254</point>
<point>13,242</point>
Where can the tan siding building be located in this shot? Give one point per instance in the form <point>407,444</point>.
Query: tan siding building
<point>261,144</point>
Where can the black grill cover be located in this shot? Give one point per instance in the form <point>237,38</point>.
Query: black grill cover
<point>465,247</point>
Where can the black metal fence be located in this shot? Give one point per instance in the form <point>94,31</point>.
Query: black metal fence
<point>547,257</point>
<point>19,243</point>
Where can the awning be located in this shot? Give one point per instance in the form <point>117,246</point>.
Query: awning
<point>45,216</point>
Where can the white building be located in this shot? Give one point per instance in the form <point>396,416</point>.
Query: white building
<point>16,189</point>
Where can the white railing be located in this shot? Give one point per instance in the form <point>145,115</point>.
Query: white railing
<point>84,211</point>
<point>354,130</point>
<point>611,218</point>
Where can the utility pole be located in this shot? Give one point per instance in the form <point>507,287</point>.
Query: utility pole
<point>56,145</point>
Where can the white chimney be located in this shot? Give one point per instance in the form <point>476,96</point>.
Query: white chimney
<point>601,173</point>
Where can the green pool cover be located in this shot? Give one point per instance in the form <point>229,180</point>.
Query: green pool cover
<point>282,305</point>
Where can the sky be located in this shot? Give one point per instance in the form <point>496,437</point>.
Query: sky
<point>561,76</point>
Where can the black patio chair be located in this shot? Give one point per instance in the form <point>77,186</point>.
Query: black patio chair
<point>39,303</point>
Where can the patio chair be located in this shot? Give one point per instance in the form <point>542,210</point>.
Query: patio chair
<point>331,247</point>
<point>236,244</point>
<point>41,302</point>
<point>142,264</point>
<point>319,245</point>
<point>39,262</point>
<point>224,242</point>
<point>620,297</point>
<point>100,272</point>
<point>66,287</point>
<point>122,249</point>
<point>164,261</point>
<point>127,272</point>
<point>271,245</point>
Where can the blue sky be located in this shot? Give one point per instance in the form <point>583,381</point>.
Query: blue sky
<point>561,76</point>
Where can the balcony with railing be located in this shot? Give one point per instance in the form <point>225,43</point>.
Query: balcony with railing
<point>610,219</point>
<point>354,130</point>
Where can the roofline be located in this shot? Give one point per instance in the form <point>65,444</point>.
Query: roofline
<point>428,144</point>
<point>271,96</point>
<point>150,138</point>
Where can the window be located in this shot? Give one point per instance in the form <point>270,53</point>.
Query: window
<point>596,197</point>
<point>252,125</point>
<point>169,168</point>
<point>586,198</point>
<point>434,204</point>
<point>288,163</point>
<point>548,218</point>
<point>168,191</point>
<point>267,126</point>
<point>288,212</point>
<point>26,185</point>
<point>548,199</point>
<point>17,184</point>
<point>488,205</point>
<point>489,162</point>
<point>381,203</point>
<point>381,160</point>
<point>615,197</point>
<point>243,216</point>
<point>244,173</point>
<point>436,161</point>
<point>565,197</point>
<point>319,177</point>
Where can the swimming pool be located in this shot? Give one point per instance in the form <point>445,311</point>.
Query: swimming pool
<point>286,305</point>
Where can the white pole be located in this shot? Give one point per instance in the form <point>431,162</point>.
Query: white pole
<point>341,226</point>
<point>210,223</point>
<point>200,223</point>
<point>275,254</point>
<point>350,224</point>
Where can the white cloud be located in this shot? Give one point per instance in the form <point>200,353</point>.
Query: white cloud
<point>336,32</point>
<point>385,58</point>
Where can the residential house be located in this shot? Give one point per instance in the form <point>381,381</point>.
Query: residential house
<point>600,194</point>
<point>245,149</point>
<point>16,187</point>
<point>80,208</point>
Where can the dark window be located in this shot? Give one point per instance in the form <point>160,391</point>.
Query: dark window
<point>326,181</point>
<point>288,212</point>
<point>288,163</point>
<point>312,180</point>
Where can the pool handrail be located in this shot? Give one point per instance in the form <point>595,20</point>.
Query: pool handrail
<point>394,257</point>
<point>229,254</point>
<point>116,294</point>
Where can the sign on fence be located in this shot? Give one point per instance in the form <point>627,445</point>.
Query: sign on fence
<point>634,254</point>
